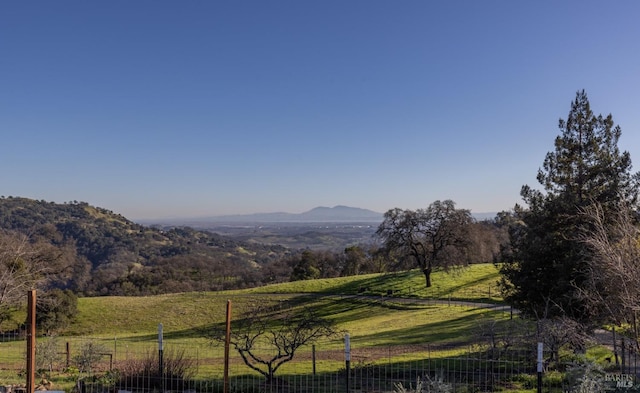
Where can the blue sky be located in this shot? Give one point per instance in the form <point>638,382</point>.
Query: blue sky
<point>159,109</point>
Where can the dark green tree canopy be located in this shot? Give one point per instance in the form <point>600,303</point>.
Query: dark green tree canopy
<point>549,261</point>
<point>587,165</point>
<point>55,310</point>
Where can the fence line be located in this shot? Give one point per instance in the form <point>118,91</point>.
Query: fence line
<point>131,364</point>
<point>101,365</point>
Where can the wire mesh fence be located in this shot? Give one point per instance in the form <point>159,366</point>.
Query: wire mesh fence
<point>137,364</point>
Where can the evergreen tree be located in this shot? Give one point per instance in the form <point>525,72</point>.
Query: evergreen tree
<point>586,167</point>
<point>56,310</point>
<point>306,267</point>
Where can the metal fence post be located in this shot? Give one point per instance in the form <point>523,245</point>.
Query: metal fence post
<point>539,367</point>
<point>161,357</point>
<point>347,358</point>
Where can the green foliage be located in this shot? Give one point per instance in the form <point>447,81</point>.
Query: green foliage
<point>355,259</point>
<point>584,376</point>
<point>375,323</point>
<point>110,255</point>
<point>306,268</point>
<point>55,310</point>
<point>549,264</point>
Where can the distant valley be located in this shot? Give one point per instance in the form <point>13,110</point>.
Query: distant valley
<point>321,228</point>
<point>326,215</point>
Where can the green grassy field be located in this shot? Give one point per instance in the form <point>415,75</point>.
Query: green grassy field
<point>125,316</point>
<point>371,317</point>
<point>379,311</point>
<point>183,314</point>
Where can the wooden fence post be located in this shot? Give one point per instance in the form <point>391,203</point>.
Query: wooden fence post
<point>226,348</point>
<point>31,341</point>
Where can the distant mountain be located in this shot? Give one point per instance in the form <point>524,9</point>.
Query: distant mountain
<point>336,214</point>
<point>320,214</point>
<point>340,213</point>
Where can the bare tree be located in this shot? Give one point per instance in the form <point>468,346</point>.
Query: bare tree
<point>614,268</point>
<point>23,266</point>
<point>559,332</point>
<point>266,338</point>
<point>500,336</point>
<point>434,237</point>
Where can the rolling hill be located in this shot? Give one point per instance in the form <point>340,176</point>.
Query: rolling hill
<point>109,254</point>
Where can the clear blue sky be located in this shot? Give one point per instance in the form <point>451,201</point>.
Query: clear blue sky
<point>159,109</point>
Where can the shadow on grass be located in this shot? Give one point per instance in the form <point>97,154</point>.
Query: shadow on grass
<point>457,331</point>
<point>341,310</point>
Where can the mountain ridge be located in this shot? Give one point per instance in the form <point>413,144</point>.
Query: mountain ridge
<point>319,214</point>
<point>338,213</point>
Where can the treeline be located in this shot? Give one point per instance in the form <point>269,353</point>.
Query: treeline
<point>488,241</point>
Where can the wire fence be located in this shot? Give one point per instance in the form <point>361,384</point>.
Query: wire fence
<point>137,364</point>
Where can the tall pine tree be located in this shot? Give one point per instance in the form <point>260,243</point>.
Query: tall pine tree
<point>550,263</point>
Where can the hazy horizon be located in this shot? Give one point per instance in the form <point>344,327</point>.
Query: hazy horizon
<point>275,213</point>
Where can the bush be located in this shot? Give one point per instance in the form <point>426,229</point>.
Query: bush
<point>426,385</point>
<point>90,355</point>
<point>47,354</point>
<point>145,373</point>
<point>584,376</point>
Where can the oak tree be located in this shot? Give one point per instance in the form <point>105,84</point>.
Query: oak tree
<point>435,237</point>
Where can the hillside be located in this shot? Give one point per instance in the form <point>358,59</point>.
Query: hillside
<point>476,285</point>
<point>108,254</point>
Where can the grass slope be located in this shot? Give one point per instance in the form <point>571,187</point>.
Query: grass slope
<point>187,312</point>
<point>403,326</point>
